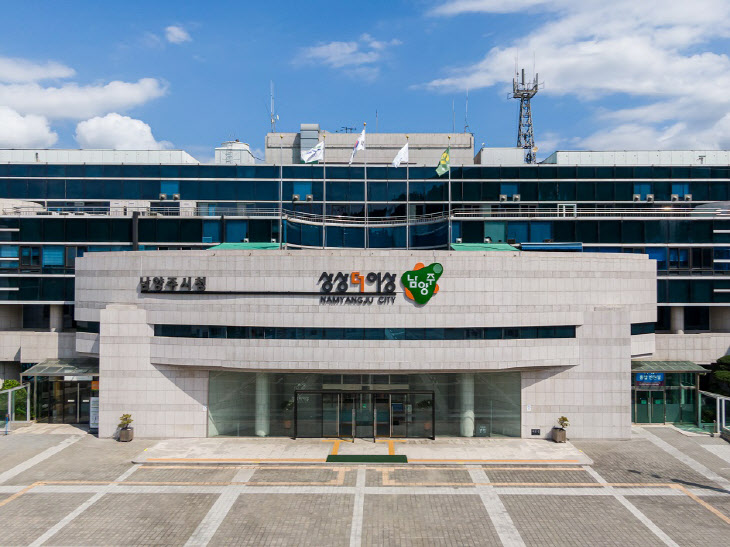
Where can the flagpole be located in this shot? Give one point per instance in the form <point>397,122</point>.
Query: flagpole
<point>448,246</point>
<point>367,239</point>
<point>408,205</point>
<point>281,190</point>
<point>324,191</point>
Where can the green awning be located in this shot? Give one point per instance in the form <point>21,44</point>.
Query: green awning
<point>483,247</point>
<point>82,366</point>
<point>243,246</point>
<point>666,366</point>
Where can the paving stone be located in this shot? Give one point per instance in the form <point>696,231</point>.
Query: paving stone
<point>137,519</point>
<point>287,519</point>
<point>405,520</point>
<point>415,477</point>
<point>692,447</point>
<point>15,449</point>
<point>543,476</point>
<point>638,460</point>
<point>27,517</point>
<point>334,476</point>
<point>90,459</point>
<point>174,475</point>
<point>576,521</point>
<point>684,520</point>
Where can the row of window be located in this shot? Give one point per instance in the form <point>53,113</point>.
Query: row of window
<point>197,230</point>
<point>545,171</point>
<point>349,191</point>
<point>642,328</point>
<point>335,333</point>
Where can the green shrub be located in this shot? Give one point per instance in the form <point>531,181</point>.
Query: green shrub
<point>723,363</point>
<point>722,375</point>
<point>125,421</point>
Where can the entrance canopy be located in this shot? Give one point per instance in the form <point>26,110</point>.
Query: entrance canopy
<point>666,366</point>
<point>483,247</point>
<point>82,366</point>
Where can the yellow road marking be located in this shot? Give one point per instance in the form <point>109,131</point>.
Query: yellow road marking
<point>391,446</point>
<point>243,460</point>
<point>335,445</point>
<point>20,493</point>
<point>440,460</point>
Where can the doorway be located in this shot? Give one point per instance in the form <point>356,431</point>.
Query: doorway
<point>364,414</point>
<point>650,407</point>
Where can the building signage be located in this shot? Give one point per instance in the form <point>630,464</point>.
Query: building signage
<point>648,379</point>
<point>94,413</point>
<point>335,288</point>
<point>420,283</point>
<point>169,284</point>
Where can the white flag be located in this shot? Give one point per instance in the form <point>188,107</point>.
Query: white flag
<point>359,145</point>
<point>402,156</point>
<point>314,154</point>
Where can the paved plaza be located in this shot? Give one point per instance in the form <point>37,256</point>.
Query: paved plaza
<point>662,487</point>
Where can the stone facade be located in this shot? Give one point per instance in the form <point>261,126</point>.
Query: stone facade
<point>163,381</point>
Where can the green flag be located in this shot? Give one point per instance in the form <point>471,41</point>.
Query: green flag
<point>444,164</point>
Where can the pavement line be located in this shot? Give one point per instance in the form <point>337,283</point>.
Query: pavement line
<point>80,509</point>
<point>646,521</point>
<point>703,503</point>
<point>685,459</point>
<point>502,522</point>
<point>244,460</point>
<point>38,458</point>
<point>20,493</point>
<point>218,511</point>
<point>358,508</point>
<point>466,461</point>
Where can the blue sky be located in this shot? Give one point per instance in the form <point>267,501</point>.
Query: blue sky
<point>190,75</point>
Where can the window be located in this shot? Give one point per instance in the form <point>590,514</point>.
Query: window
<point>30,259</point>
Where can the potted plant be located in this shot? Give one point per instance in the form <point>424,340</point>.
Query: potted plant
<point>559,433</point>
<point>126,433</point>
<point>287,407</point>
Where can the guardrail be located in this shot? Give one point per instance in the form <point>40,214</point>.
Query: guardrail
<point>491,213</point>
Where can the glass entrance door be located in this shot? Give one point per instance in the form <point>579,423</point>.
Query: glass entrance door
<point>649,407</point>
<point>70,403</point>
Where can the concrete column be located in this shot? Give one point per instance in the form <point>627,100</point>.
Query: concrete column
<point>56,319</point>
<point>262,404</point>
<point>677,320</point>
<point>466,381</point>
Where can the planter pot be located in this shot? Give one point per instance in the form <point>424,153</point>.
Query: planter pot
<point>559,435</point>
<point>126,435</point>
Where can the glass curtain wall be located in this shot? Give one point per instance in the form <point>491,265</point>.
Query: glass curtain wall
<point>262,404</point>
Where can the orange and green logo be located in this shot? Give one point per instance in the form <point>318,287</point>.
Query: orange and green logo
<point>420,283</point>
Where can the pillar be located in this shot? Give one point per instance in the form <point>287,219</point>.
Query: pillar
<point>466,381</point>
<point>262,404</point>
<point>56,318</point>
<point>677,320</point>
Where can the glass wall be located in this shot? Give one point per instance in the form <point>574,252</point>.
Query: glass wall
<point>483,404</point>
<point>664,398</point>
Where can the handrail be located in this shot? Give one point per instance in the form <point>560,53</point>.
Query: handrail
<point>490,212</point>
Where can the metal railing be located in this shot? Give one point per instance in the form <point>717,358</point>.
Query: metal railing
<point>15,404</point>
<point>717,415</point>
<point>496,212</point>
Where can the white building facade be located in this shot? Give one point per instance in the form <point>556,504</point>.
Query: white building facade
<point>319,343</point>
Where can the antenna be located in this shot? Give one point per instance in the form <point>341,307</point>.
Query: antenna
<point>453,117</point>
<point>524,91</point>
<point>272,112</point>
<point>466,112</point>
<point>376,120</point>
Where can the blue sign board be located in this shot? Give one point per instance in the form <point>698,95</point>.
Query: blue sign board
<point>645,379</point>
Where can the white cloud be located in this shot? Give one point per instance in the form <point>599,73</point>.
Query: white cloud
<point>72,101</point>
<point>652,53</point>
<point>29,131</point>
<point>117,132</point>
<point>176,34</point>
<point>22,70</point>
<point>357,58</point>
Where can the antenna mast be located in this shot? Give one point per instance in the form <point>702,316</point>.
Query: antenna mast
<point>524,91</point>
<point>466,112</point>
<point>272,112</point>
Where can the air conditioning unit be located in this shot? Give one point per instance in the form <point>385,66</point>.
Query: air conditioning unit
<point>245,240</point>
<point>459,240</point>
<point>295,197</point>
<point>273,240</point>
<point>487,239</point>
<point>309,197</point>
<point>675,197</point>
<point>688,197</point>
<point>176,197</point>
<point>650,198</point>
<point>637,197</point>
<point>163,197</point>
<point>502,197</point>
<point>515,197</point>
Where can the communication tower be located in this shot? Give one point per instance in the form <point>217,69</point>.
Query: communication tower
<point>524,91</point>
